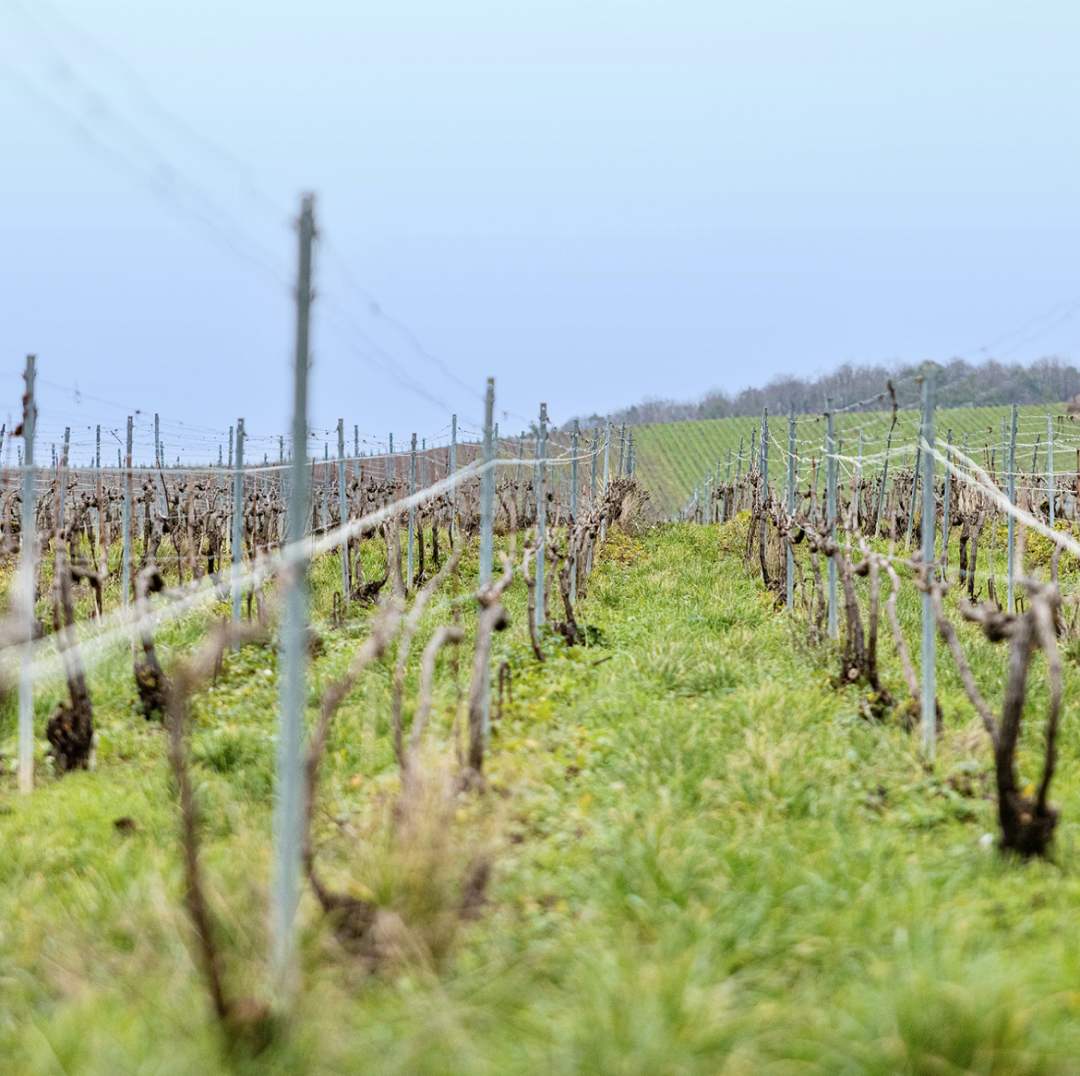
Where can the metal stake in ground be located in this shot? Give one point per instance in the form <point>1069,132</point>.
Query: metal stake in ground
<point>1012,522</point>
<point>790,503</point>
<point>343,508</point>
<point>28,582</point>
<point>541,516</point>
<point>574,441</point>
<point>607,461</point>
<point>289,806</point>
<point>1050,464</point>
<point>412,514</point>
<point>945,507</point>
<point>125,569</point>
<point>764,470</point>
<point>592,493</point>
<point>725,505</point>
<point>238,528</point>
<point>595,458</point>
<point>929,706</point>
<point>97,488</point>
<point>738,477</point>
<point>64,473</point>
<point>158,454</point>
<point>830,515</point>
<point>453,469</point>
<point>487,489</point>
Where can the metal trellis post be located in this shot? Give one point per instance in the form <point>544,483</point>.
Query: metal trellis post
<point>64,473</point>
<point>574,442</point>
<point>790,579</point>
<point>929,517</point>
<point>28,583</point>
<point>541,516</point>
<point>125,568</point>
<point>1012,521</point>
<point>1050,481</point>
<point>453,469</point>
<point>487,489</point>
<point>945,505</point>
<point>607,471</point>
<point>290,794</point>
<point>830,516</point>
<point>343,509</point>
<point>412,514</point>
<point>238,527</point>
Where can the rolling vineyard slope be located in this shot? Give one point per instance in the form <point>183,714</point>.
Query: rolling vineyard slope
<point>671,456</point>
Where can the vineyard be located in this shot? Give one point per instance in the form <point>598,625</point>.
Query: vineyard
<point>673,456</point>
<point>545,753</point>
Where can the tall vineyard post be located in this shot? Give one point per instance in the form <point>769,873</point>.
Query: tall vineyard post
<point>343,510</point>
<point>1011,589</point>
<point>237,544</point>
<point>574,438</point>
<point>288,808</point>
<point>607,468</point>
<point>929,516</point>
<point>64,473</point>
<point>830,498</point>
<point>1050,465</point>
<point>487,489</point>
<point>764,475</point>
<point>412,516</point>
<point>945,506</point>
<point>453,489</point>
<point>541,517</point>
<point>28,577</point>
<point>790,577</point>
<point>127,479</point>
<point>487,532</point>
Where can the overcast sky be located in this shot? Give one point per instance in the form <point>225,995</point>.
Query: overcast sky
<point>592,201</point>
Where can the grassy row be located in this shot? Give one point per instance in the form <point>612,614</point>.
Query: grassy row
<point>705,862</point>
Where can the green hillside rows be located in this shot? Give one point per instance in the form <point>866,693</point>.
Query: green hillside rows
<point>671,456</point>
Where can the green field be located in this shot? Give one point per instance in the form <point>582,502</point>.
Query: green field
<point>705,862</point>
<point>672,456</point>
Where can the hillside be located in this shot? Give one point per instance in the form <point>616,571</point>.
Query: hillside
<point>672,456</point>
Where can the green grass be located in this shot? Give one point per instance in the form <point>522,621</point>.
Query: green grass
<point>706,862</point>
<point>672,456</point>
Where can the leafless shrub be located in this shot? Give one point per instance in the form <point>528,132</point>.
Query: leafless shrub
<point>530,585</point>
<point>70,729</point>
<point>150,681</point>
<point>492,618</point>
<point>412,622</point>
<point>1027,822</point>
<point>245,1023</point>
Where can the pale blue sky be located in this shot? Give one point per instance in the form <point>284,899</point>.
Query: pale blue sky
<point>592,201</point>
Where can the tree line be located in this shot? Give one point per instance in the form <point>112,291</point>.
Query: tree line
<point>987,384</point>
